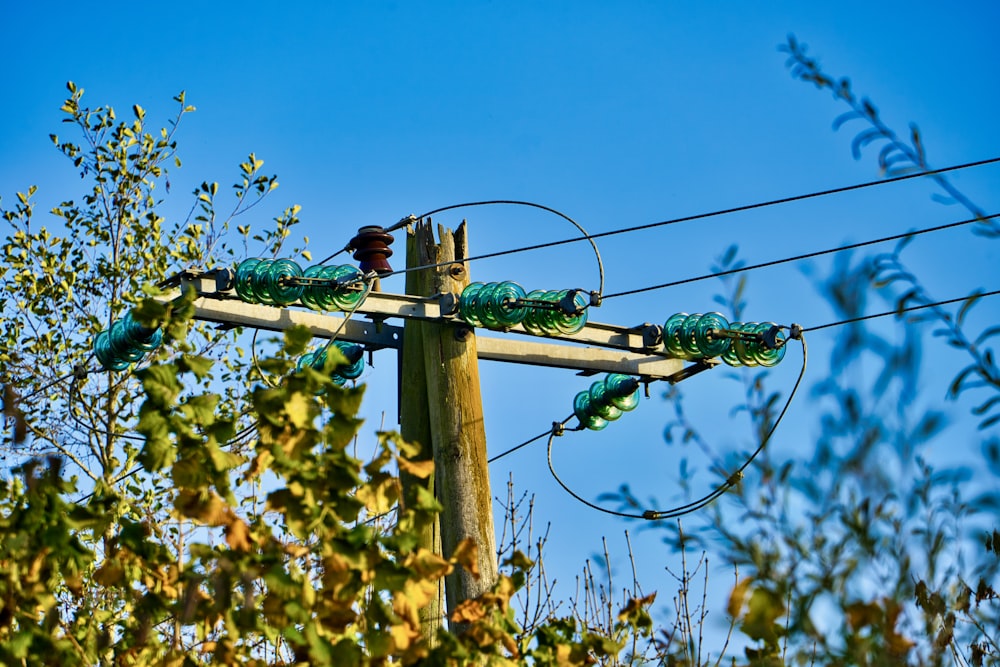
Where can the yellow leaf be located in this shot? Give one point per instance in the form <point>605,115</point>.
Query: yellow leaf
<point>403,635</point>
<point>109,574</point>
<point>419,469</point>
<point>737,597</point>
<point>238,535</point>
<point>299,410</point>
<point>635,606</point>
<point>466,554</point>
<point>429,564</point>
<point>379,496</point>
<point>468,611</point>
<point>206,507</point>
<point>259,465</point>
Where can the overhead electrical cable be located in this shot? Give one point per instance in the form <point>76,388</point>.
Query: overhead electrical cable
<point>808,255</point>
<point>528,442</point>
<point>79,372</point>
<point>698,216</point>
<point>731,480</point>
<point>900,311</point>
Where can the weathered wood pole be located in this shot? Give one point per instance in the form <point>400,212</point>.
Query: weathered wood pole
<point>455,408</point>
<point>414,422</point>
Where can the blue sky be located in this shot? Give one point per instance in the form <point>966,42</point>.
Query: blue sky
<point>618,114</point>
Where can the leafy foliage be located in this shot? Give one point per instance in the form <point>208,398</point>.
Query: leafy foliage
<point>224,521</point>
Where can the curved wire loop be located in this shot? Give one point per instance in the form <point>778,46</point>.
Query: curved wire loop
<point>511,202</point>
<point>731,481</point>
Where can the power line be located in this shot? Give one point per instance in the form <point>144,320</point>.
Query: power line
<point>900,311</point>
<point>555,425</point>
<point>808,255</point>
<point>698,216</point>
<point>731,481</point>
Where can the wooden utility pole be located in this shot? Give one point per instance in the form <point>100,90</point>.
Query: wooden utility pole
<point>455,410</point>
<point>415,425</point>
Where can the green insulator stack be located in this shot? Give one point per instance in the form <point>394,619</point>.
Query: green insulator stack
<point>503,305</point>
<point>273,282</point>
<point>754,352</point>
<point>606,400</point>
<point>342,372</point>
<point>696,336</point>
<point>282,282</point>
<point>492,305</point>
<point>566,316</point>
<point>332,287</point>
<point>125,343</point>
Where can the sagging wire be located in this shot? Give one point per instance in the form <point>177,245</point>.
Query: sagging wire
<point>256,364</point>
<point>511,202</point>
<point>731,481</point>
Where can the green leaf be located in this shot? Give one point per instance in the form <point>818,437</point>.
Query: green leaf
<point>158,450</point>
<point>201,409</point>
<point>296,339</point>
<point>301,409</point>
<point>199,366</point>
<point>763,610</point>
<point>161,385</point>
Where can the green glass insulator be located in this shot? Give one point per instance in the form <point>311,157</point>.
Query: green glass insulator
<point>583,410</point>
<point>745,349</point>
<point>729,357</point>
<point>122,345</point>
<point>535,318</point>
<point>281,283</point>
<point>600,402</point>
<point>570,323</point>
<point>706,338</point>
<point>484,312</point>
<point>742,348</point>
<point>307,360</point>
<point>260,282</point>
<point>467,303</point>
<point>501,304</point>
<point>106,355</point>
<point>672,335</point>
<point>764,355</point>
<point>312,292</point>
<point>341,373</point>
<point>145,338</point>
<point>323,293</point>
<point>348,293</point>
<point>241,281</point>
<point>623,391</point>
<point>355,357</point>
<point>686,337</point>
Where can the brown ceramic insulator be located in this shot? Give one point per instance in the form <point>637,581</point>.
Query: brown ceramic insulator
<point>371,249</point>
